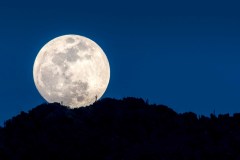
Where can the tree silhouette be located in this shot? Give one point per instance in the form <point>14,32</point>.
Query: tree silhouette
<point>127,129</point>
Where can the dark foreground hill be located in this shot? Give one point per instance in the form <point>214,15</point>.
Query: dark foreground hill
<point>128,129</point>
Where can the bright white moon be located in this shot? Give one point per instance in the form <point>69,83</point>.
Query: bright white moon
<point>72,70</point>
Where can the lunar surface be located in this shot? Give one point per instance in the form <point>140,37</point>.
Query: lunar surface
<point>72,70</point>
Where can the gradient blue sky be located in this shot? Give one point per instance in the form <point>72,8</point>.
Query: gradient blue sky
<point>184,54</point>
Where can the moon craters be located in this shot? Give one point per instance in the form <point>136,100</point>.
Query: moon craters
<point>82,46</point>
<point>72,55</point>
<point>58,60</point>
<point>82,86</point>
<point>76,91</point>
<point>48,77</point>
<point>72,70</point>
<point>70,40</point>
<point>88,56</point>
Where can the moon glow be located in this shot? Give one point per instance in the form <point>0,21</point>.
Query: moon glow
<point>72,70</point>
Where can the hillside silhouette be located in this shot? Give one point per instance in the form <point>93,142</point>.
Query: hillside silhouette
<point>127,129</point>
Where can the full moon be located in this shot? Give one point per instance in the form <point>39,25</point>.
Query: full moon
<point>72,70</point>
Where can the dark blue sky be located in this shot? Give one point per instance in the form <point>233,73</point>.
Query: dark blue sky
<point>183,54</point>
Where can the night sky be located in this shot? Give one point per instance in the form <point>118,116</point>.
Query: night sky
<point>183,54</point>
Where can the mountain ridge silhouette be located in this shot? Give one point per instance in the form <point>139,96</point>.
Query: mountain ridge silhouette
<point>126,129</point>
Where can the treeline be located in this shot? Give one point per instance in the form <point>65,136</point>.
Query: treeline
<point>127,129</point>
